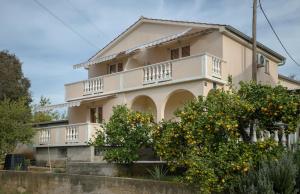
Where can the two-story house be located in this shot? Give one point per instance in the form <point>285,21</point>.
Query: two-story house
<point>154,66</point>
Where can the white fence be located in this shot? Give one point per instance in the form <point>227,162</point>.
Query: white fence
<point>278,135</point>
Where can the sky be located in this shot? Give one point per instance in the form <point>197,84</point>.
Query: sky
<point>48,49</point>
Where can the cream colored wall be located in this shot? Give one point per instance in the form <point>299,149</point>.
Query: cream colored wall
<point>78,114</point>
<point>210,43</point>
<point>74,90</point>
<point>146,32</point>
<point>238,59</point>
<point>144,104</point>
<point>159,95</point>
<point>98,70</point>
<point>176,102</point>
<point>286,83</point>
<point>133,79</point>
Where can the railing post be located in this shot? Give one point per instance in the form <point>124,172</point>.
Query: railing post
<point>254,138</point>
<point>268,134</point>
<point>283,138</point>
<point>262,136</point>
<point>276,136</point>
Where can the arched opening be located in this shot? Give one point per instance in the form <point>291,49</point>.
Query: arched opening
<point>144,104</point>
<point>175,101</point>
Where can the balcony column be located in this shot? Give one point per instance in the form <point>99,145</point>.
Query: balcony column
<point>204,61</point>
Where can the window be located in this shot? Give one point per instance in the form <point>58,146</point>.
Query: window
<point>120,67</point>
<point>114,68</point>
<point>185,51</point>
<point>267,67</point>
<point>100,115</point>
<point>96,115</point>
<point>93,115</point>
<point>214,85</point>
<point>174,53</point>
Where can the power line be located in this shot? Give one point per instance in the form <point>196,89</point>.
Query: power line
<point>65,24</point>
<point>285,49</point>
<point>86,18</point>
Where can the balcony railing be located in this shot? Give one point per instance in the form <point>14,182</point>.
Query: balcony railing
<point>63,135</point>
<point>44,136</point>
<point>216,67</point>
<point>157,72</point>
<point>72,132</point>
<point>182,69</point>
<point>93,86</point>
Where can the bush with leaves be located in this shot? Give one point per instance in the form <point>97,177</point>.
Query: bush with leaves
<point>14,125</point>
<point>271,176</point>
<point>124,135</point>
<point>271,105</point>
<point>206,140</point>
<point>44,116</point>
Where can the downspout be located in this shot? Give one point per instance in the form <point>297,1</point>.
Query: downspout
<point>282,62</point>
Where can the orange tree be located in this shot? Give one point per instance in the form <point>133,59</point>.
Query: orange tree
<point>124,135</point>
<point>272,105</point>
<point>205,142</point>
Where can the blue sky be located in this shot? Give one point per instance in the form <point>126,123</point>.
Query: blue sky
<point>48,49</point>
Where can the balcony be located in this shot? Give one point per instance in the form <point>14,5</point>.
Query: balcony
<point>174,71</point>
<point>65,135</point>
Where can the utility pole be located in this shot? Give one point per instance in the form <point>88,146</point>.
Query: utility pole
<point>254,63</point>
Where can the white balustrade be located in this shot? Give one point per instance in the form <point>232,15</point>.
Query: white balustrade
<point>44,136</point>
<point>216,67</point>
<point>157,73</point>
<point>72,133</point>
<point>93,86</point>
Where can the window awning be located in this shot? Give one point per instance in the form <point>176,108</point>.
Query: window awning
<point>55,106</point>
<point>132,50</point>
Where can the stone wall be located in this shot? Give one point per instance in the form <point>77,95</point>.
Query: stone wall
<point>49,183</point>
<point>111,169</point>
<point>60,155</point>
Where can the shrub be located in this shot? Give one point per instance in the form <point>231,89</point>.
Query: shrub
<point>125,134</point>
<point>205,141</point>
<point>158,172</point>
<point>271,176</point>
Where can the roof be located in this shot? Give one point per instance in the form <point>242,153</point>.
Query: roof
<point>288,79</point>
<point>227,27</point>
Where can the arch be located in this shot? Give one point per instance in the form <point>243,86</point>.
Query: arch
<point>144,104</point>
<point>176,100</point>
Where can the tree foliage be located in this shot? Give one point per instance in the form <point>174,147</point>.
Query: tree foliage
<point>14,125</point>
<point>126,133</point>
<point>13,84</point>
<point>43,116</point>
<point>205,142</point>
<point>272,105</point>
